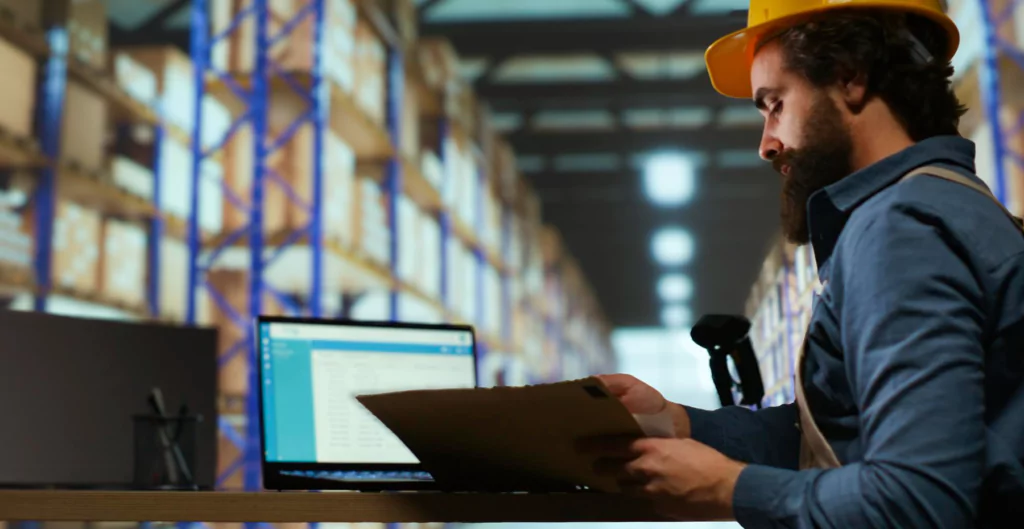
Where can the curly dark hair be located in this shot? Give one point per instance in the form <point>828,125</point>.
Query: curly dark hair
<point>838,46</point>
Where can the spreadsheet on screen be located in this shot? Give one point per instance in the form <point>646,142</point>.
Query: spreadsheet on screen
<point>313,372</point>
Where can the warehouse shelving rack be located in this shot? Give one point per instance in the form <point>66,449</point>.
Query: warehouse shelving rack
<point>255,94</point>
<point>54,179</point>
<point>255,97</point>
<point>996,14</point>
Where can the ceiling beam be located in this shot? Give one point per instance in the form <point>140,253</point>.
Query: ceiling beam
<point>624,101</point>
<point>624,140</point>
<point>576,179</point>
<point>175,37</point>
<point>696,91</point>
<point>159,19</point>
<point>603,35</point>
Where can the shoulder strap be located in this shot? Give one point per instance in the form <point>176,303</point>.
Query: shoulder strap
<point>954,176</point>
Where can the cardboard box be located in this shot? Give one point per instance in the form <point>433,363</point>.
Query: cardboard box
<point>504,169</point>
<point>470,306</point>
<point>493,314</point>
<point>83,135</point>
<point>174,265</point>
<point>18,91</point>
<point>410,255</point>
<point>211,197</point>
<point>176,181</point>
<point>134,178</point>
<point>410,143</point>
<point>438,61</point>
<point>77,242</point>
<point>340,215</point>
<point>432,169</point>
<point>430,267</point>
<point>293,52</point>
<point>124,262</point>
<point>27,14</point>
<point>370,61</point>
<point>137,80</point>
<point>88,32</point>
<point>174,78</point>
<point>15,244</point>
<point>374,234</point>
<point>239,170</point>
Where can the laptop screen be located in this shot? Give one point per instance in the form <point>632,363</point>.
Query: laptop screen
<point>312,373</point>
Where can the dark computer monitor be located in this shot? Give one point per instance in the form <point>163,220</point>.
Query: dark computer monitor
<point>69,388</point>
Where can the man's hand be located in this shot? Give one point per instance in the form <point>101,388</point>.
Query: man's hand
<point>641,399</point>
<point>682,476</point>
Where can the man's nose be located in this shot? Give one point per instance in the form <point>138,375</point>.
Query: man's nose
<point>770,146</point>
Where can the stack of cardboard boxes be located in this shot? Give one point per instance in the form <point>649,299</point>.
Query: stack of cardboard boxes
<point>15,243</point>
<point>374,232</point>
<point>18,91</point>
<point>124,263</point>
<point>77,243</point>
<point>419,248</point>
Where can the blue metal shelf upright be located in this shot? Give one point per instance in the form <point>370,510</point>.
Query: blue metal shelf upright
<point>997,15</point>
<point>255,95</point>
<point>50,119</point>
<point>49,122</point>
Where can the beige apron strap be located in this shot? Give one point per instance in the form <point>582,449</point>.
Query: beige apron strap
<point>815,452</point>
<point>954,176</point>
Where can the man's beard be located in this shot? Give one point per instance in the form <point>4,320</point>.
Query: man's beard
<point>823,159</point>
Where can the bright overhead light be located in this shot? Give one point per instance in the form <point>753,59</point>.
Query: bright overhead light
<point>675,287</point>
<point>672,246</point>
<point>676,316</point>
<point>669,179</point>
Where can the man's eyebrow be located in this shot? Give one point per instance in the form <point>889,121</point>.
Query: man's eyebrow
<point>761,95</point>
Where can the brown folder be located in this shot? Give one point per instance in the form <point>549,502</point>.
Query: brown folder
<point>508,439</point>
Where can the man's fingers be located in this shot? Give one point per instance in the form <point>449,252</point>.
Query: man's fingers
<point>618,384</point>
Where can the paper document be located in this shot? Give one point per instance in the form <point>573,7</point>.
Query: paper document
<point>511,438</point>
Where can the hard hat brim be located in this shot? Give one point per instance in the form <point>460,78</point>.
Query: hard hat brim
<point>729,59</point>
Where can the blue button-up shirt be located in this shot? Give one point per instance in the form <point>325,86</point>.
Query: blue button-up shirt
<point>914,361</point>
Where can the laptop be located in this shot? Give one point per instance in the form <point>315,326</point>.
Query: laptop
<point>315,434</point>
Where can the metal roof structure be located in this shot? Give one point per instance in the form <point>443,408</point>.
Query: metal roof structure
<point>585,90</point>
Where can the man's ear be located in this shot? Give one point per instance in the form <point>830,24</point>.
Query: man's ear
<point>854,91</point>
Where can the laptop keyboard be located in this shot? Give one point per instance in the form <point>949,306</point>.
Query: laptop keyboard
<point>360,475</point>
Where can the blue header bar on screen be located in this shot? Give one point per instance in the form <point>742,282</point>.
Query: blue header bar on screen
<point>378,347</point>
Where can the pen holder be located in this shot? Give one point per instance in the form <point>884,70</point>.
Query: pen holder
<point>165,452</point>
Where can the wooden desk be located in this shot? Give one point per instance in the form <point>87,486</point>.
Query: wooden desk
<point>82,506</point>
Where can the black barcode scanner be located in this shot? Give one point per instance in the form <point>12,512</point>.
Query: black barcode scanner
<point>727,337</point>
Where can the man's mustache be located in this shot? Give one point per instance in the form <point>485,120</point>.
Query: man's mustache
<point>783,159</point>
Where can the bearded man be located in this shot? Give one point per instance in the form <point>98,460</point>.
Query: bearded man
<point>910,403</point>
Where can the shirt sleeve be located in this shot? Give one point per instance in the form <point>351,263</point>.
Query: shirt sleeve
<point>769,436</point>
<point>912,341</point>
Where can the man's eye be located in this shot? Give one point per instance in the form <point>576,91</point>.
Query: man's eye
<point>776,109</point>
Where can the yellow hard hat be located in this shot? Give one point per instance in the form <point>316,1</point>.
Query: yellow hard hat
<point>728,59</point>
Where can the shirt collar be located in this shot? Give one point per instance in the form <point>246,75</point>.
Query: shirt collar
<point>828,208</point>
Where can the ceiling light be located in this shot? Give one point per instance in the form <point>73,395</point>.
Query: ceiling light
<point>675,287</point>
<point>669,179</point>
<point>676,316</point>
<point>672,246</point>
